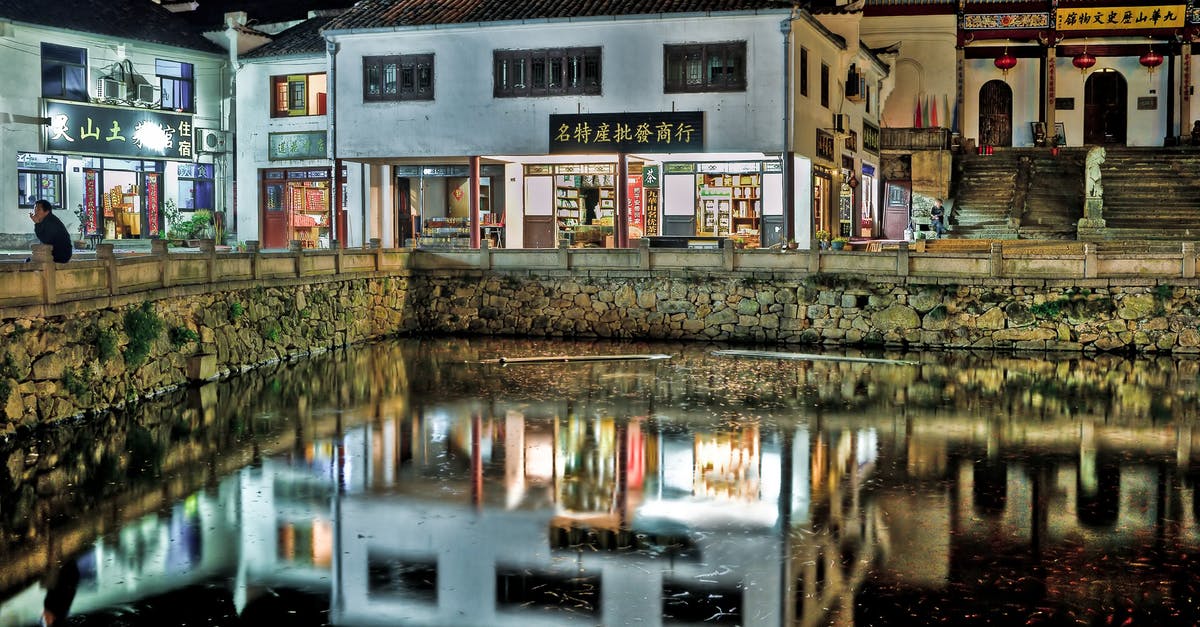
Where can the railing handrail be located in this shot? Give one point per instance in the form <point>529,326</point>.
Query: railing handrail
<point>42,282</point>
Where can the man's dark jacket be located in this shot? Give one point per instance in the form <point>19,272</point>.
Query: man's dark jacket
<point>51,231</point>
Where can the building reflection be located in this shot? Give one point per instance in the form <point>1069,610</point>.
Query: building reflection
<point>490,512</point>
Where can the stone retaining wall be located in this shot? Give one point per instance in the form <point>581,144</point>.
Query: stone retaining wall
<point>84,355</point>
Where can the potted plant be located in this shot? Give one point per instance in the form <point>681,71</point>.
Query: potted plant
<point>822,238</point>
<point>839,243</point>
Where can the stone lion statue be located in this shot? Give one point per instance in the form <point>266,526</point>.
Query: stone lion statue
<point>1091,172</point>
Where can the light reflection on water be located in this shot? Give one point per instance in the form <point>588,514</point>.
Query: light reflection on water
<point>406,483</point>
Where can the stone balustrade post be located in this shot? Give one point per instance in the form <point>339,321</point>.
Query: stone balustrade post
<point>252,247</point>
<point>43,255</point>
<point>564,253</point>
<point>1089,260</point>
<point>643,253</point>
<point>814,257</point>
<point>996,260</point>
<point>902,259</point>
<point>1188,250</point>
<point>485,254</point>
<point>208,248</point>
<point>727,255</point>
<point>158,248</point>
<point>104,252</point>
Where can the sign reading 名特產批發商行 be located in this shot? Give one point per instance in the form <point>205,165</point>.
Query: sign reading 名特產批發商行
<point>665,131</point>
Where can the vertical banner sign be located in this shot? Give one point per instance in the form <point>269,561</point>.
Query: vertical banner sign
<point>90,207</point>
<point>637,221</point>
<point>152,203</point>
<point>650,183</point>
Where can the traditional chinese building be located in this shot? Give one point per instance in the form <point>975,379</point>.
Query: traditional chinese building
<point>102,111</point>
<point>528,126</point>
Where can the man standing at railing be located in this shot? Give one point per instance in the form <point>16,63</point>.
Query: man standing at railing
<point>50,230</point>
<point>937,218</point>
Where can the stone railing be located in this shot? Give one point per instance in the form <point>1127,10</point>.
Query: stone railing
<point>43,283</point>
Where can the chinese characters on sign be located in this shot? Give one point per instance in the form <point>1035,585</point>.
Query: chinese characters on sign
<point>824,145</point>
<point>1162,16</point>
<point>118,131</point>
<point>301,145</point>
<point>870,137</point>
<point>668,131</point>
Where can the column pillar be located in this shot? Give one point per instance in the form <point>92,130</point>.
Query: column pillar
<point>1185,91</point>
<point>1049,90</point>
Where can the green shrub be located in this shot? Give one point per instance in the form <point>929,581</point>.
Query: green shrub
<point>182,335</point>
<point>142,326</point>
<point>106,344</point>
<point>235,311</point>
<point>73,383</point>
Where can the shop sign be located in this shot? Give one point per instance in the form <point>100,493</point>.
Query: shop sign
<point>722,167</point>
<point>679,168</point>
<point>87,129</point>
<point>1000,21</point>
<point>298,145</point>
<point>772,167</point>
<point>42,163</point>
<point>870,137</point>
<point>824,145</point>
<point>666,131</point>
<point>650,176</point>
<point>1120,18</point>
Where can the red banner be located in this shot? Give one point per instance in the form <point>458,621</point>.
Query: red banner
<point>152,202</point>
<point>89,199</point>
<point>637,217</point>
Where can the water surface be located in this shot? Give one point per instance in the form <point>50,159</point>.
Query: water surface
<point>407,483</point>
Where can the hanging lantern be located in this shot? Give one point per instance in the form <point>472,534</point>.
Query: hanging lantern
<point>1005,62</point>
<point>1150,60</point>
<point>1084,61</point>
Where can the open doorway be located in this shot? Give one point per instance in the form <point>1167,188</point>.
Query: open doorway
<point>1104,108</point>
<point>995,114</point>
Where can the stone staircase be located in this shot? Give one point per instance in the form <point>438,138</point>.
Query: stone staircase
<point>984,194</point>
<point>1151,193</point>
<point>1054,194</point>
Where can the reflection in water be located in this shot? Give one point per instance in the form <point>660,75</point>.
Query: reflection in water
<point>405,483</point>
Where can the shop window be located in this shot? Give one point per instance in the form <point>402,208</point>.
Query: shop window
<point>298,94</point>
<point>176,82</point>
<point>705,67</point>
<point>399,77</point>
<point>39,177</point>
<point>567,71</point>
<point>195,186</point>
<point>64,72</point>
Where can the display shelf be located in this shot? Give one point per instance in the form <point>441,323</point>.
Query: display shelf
<point>447,232</point>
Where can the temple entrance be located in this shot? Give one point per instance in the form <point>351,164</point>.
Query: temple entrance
<point>1104,113</point>
<point>995,114</point>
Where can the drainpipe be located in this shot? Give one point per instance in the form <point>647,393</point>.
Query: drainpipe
<point>337,225</point>
<point>789,213</point>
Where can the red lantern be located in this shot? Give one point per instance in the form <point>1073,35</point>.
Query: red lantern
<point>1150,60</point>
<point>1084,61</point>
<point>1005,62</point>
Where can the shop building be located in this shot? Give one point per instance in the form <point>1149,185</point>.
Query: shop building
<point>286,175</point>
<point>119,100</point>
<point>531,129</point>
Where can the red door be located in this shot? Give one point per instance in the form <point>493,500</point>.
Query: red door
<point>274,204</point>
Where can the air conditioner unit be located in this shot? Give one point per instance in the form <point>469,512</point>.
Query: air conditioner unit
<point>840,122</point>
<point>111,89</point>
<point>211,140</point>
<point>145,92</point>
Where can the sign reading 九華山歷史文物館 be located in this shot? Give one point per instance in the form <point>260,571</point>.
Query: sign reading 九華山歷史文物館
<point>87,129</point>
<point>1120,18</point>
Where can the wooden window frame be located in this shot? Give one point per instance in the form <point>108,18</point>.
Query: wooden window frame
<point>563,72</point>
<point>410,76</point>
<point>679,79</point>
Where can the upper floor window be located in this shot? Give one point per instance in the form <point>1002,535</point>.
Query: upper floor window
<point>298,94</point>
<point>824,85</point>
<point>562,71</point>
<point>398,77</point>
<point>803,71</point>
<point>176,82</point>
<point>64,72</point>
<point>705,67</point>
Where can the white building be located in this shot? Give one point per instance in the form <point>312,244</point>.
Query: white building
<point>102,114</point>
<point>542,111</point>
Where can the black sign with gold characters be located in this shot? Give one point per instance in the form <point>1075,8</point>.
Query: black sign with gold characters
<point>667,131</point>
<point>870,138</point>
<point>824,144</point>
<point>88,129</point>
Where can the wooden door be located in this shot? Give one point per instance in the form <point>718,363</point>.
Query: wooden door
<point>896,208</point>
<point>405,220</point>
<point>995,114</point>
<point>1104,108</point>
<point>274,216</point>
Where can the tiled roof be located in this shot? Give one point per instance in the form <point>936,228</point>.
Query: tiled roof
<point>303,38</point>
<point>211,13</point>
<point>392,13</point>
<point>139,20</point>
